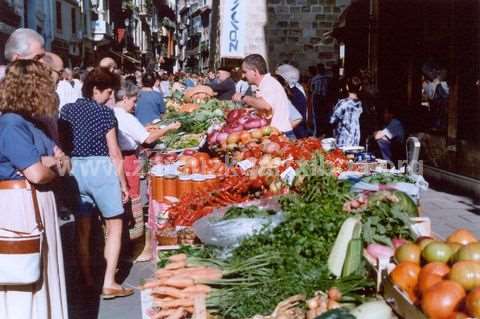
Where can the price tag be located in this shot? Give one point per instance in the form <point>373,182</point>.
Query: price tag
<point>245,165</point>
<point>288,175</point>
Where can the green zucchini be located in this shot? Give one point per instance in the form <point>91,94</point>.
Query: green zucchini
<point>353,259</point>
<point>336,259</point>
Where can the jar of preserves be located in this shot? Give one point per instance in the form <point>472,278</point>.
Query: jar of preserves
<point>170,185</point>
<point>211,181</point>
<point>184,185</point>
<point>157,187</point>
<point>198,182</point>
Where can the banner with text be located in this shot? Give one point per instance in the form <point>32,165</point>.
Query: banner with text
<point>233,29</point>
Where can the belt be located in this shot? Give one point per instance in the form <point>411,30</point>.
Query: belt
<point>13,184</point>
<point>23,184</point>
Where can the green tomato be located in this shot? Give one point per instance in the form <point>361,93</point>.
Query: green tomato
<point>437,251</point>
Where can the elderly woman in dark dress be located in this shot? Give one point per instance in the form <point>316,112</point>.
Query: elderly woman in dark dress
<point>26,157</point>
<point>88,131</point>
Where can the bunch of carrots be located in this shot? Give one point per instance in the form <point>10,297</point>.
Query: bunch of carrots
<point>179,291</point>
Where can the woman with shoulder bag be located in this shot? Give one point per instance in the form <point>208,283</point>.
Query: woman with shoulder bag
<point>29,288</point>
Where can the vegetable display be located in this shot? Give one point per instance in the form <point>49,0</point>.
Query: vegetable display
<point>311,265</point>
<point>198,120</point>
<point>442,283</point>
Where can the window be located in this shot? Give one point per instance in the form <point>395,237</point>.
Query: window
<point>74,21</point>
<point>58,6</point>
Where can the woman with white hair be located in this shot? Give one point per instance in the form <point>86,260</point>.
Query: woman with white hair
<point>296,95</point>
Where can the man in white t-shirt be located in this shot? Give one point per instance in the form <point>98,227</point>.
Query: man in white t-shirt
<point>270,97</point>
<point>66,89</point>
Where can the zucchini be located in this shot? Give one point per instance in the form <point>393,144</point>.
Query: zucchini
<point>353,260</point>
<point>336,259</point>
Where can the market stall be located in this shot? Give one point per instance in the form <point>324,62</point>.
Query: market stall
<point>252,224</point>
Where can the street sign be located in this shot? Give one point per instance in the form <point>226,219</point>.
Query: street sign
<point>233,29</point>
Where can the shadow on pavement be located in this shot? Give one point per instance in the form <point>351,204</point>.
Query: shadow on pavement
<point>83,301</point>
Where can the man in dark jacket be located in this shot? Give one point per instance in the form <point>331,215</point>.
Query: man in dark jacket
<point>224,86</point>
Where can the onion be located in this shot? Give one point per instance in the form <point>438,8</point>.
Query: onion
<point>256,123</point>
<point>244,119</point>
<point>233,129</point>
<point>379,251</point>
<point>263,122</point>
<point>233,115</point>
<point>222,137</point>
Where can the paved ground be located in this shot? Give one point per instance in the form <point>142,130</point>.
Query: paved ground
<point>447,210</point>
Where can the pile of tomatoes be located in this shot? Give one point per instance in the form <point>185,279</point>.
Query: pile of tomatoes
<point>442,277</point>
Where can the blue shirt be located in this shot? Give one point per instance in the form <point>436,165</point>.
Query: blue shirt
<point>299,100</point>
<point>347,117</point>
<point>150,106</point>
<point>21,145</point>
<point>83,128</point>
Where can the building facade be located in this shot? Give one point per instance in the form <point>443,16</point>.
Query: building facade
<point>194,29</point>
<point>68,32</point>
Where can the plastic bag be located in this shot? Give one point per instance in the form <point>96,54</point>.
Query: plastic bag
<point>228,233</point>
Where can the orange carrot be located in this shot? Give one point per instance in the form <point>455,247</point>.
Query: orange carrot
<point>175,265</point>
<point>179,282</point>
<point>163,273</point>
<point>177,258</point>
<point>168,291</point>
<point>177,314</point>
<point>150,284</point>
<point>197,289</point>
<point>201,274</point>
<point>178,303</point>
<point>164,313</point>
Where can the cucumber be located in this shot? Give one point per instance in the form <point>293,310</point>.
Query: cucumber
<point>336,259</point>
<point>353,259</point>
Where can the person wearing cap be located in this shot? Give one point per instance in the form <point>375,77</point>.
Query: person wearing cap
<point>225,86</point>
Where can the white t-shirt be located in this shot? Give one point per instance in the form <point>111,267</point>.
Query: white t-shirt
<point>131,133</point>
<point>165,88</point>
<point>273,93</point>
<point>67,93</point>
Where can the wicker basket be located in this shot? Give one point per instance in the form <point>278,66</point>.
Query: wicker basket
<point>138,229</point>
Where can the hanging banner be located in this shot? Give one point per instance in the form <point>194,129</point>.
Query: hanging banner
<point>233,29</point>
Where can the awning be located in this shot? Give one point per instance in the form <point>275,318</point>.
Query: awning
<point>202,10</point>
<point>129,58</point>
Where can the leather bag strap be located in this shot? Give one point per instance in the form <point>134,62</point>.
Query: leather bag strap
<point>36,208</point>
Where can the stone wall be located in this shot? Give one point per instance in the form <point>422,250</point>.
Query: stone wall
<point>294,32</point>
